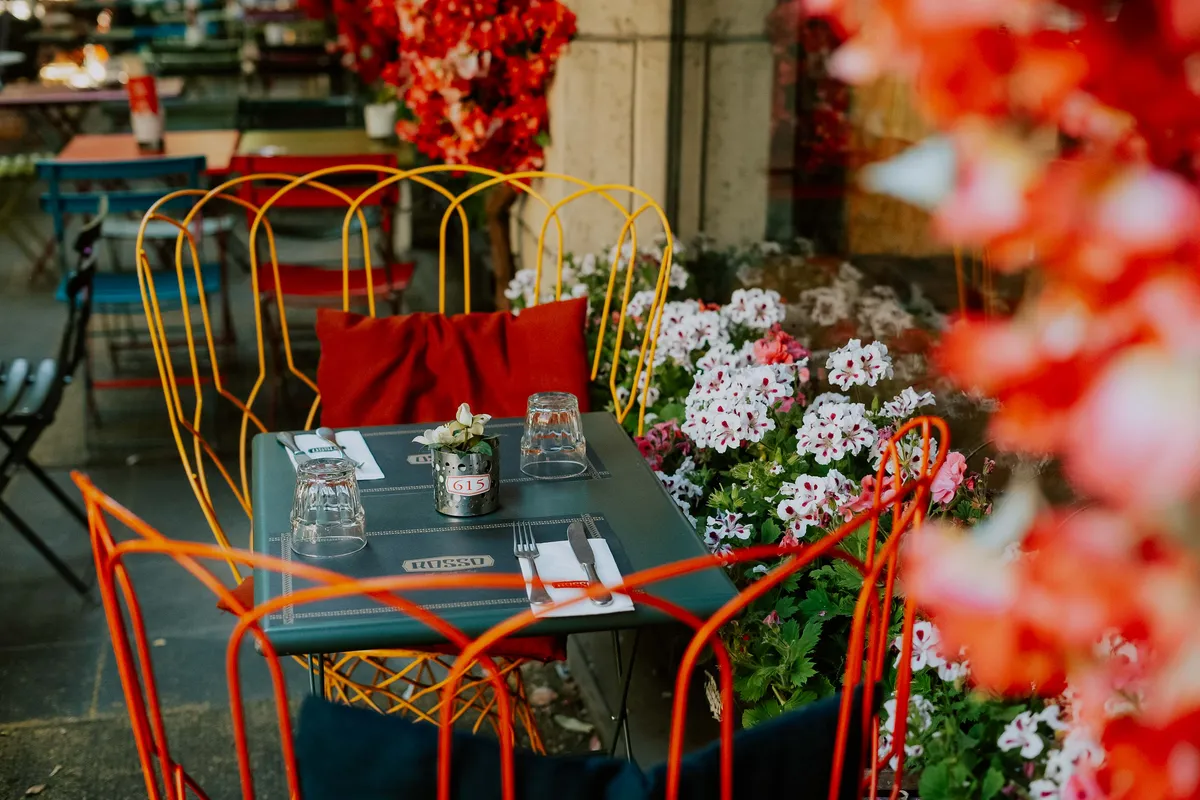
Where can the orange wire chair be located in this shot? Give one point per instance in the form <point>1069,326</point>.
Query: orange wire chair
<point>365,678</point>
<point>866,661</point>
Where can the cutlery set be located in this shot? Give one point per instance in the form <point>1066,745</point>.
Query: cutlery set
<point>288,440</point>
<point>525,547</point>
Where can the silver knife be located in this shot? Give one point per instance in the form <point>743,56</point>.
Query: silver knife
<point>587,559</point>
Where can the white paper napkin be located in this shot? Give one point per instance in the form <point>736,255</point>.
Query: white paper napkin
<point>556,563</point>
<point>354,444</point>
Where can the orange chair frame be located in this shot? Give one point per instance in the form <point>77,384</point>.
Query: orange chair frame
<point>867,654</point>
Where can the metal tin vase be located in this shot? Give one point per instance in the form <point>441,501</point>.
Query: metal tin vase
<point>467,484</point>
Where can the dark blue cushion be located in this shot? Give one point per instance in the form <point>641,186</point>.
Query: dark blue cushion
<point>345,752</point>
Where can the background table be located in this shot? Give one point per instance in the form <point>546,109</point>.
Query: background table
<point>63,108</point>
<point>627,501</point>
<point>217,147</point>
<point>347,142</point>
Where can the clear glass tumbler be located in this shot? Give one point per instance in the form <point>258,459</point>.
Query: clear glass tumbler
<point>552,445</point>
<point>327,512</point>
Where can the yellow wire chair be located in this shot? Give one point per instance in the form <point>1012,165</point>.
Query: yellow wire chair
<point>394,681</point>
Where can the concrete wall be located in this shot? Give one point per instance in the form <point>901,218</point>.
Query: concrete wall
<point>609,120</point>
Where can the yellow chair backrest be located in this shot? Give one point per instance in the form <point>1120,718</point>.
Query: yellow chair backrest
<point>191,419</point>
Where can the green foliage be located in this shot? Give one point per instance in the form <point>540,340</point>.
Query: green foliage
<point>993,782</point>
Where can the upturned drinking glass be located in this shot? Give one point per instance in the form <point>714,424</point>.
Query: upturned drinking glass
<point>552,444</point>
<point>327,512</point>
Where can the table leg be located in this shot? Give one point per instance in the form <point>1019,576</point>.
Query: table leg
<point>312,676</point>
<point>625,676</point>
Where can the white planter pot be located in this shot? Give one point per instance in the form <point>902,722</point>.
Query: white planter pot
<point>274,34</point>
<point>380,119</point>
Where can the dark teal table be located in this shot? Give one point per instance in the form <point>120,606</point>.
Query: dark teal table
<point>619,496</point>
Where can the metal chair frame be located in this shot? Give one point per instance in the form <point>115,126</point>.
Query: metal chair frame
<point>867,653</point>
<point>186,418</point>
<point>30,397</point>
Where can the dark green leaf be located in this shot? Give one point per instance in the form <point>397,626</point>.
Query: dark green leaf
<point>483,448</point>
<point>802,670</point>
<point>791,583</point>
<point>993,782</point>
<point>822,687</point>
<point>799,699</point>
<point>770,531</point>
<point>935,782</point>
<point>760,713</point>
<point>785,606</point>
<point>755,684</point>
<point>812,634</point>
<point>674,411</point>
<point>815,601</point>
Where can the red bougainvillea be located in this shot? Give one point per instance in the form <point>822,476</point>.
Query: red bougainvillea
<point>474,76</point>
<point>367,33</point>
<point>1100,367</point>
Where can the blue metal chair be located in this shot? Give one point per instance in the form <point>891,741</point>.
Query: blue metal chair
<point>81,187</point>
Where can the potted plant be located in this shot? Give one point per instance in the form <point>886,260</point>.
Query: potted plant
<point>466,465</point>
<point>380,115</point>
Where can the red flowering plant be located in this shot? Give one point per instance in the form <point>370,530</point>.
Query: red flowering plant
<point>367,34</point>
<point>809,107</point>
<point>474,77</point>
<point>1100,367</point>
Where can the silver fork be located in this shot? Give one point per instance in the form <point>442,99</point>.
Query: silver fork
<point>525,546</point>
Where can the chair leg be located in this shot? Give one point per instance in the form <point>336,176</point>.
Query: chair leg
<point>89,384</point>
<point>53,488</point>
<point>625,676</point>
<point>44,549</point>
<point>18,456</point>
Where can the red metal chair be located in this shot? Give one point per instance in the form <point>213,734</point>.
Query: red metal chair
<point>867,655</point>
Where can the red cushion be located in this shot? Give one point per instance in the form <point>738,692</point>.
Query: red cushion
<point>420,367</point>
<point>536,648</point>
<point>307,281</point>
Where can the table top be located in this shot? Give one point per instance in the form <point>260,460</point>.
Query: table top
<point>619,498</point>
<point>40,94</point>
<point>322,142</point>
<point>217,147</point>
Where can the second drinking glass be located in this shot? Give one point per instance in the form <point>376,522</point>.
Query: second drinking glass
<point>552,445</point>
